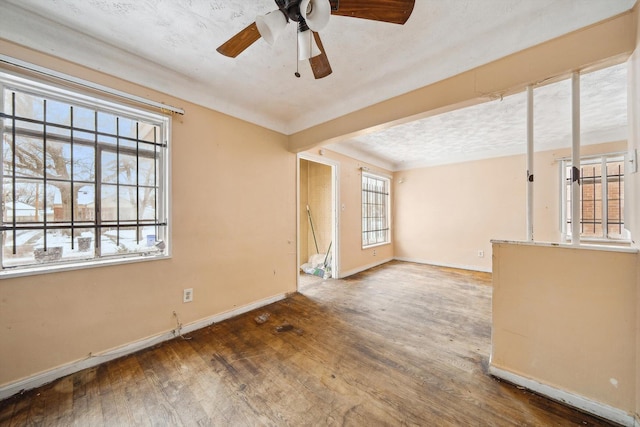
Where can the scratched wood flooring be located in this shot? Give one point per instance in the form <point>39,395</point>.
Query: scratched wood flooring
<point>401,344</point>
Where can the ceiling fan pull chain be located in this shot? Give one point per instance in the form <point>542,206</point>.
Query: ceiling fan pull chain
<point>297,73</point>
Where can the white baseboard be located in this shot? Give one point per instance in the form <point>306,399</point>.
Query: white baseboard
<point>441,264</point>
<point>46,377</point>
<point>587,405</point>
<point>348,273</point>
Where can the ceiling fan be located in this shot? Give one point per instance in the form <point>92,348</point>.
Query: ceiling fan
<point>312,16</point>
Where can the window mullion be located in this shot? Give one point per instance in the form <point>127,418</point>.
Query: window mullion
<point>155,182</point>
<point>620,198</point>
<point>137,183</point>
<point>13,169</point>
<point>118,180</point>
<point>97,194</point>
<point>44,170</point>
<point>73,199</point>
<point>604,180</point>
<point>3,200</point>
<point>563,200</point>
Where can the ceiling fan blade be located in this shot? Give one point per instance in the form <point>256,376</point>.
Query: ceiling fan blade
<point>320,64</point>
<point>238,43</point>
<point>393,11</point>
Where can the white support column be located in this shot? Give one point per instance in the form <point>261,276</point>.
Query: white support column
<point>575,159</point>
<point>530,152</point>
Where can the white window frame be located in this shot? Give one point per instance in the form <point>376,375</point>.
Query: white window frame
<point>386,227</point>
<point>157,247</point>
<point>602,159</point>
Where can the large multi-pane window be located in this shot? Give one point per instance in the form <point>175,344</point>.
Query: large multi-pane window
<point>601,197</point>
<point>83,179</point>
<point>375,210</point>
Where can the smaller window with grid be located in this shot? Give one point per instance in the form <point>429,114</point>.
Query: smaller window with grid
<point>601,198</point>
<point>375,210</point>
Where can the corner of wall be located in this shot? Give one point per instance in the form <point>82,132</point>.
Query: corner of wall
<point>633,188</point>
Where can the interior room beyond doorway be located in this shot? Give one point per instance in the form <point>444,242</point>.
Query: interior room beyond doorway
<point>316,221</point>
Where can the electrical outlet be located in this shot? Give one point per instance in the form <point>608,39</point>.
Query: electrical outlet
<point>480,254</point>
<point>187,295</point>
<point>374,252</point>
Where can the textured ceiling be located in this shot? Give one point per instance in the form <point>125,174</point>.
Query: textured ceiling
<point>169,45</point>
<point>499,127</point>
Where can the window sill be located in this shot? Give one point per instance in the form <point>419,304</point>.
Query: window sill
<point>56,268</point>
<point>564,245</point>
<point>608,242</point>
<point>376,245</point>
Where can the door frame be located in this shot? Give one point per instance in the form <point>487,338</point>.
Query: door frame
<point>335,212</point>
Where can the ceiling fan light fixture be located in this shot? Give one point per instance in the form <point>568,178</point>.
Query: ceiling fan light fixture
<point>271,25</point>
<point>316,13</point>
<point>307,46</point>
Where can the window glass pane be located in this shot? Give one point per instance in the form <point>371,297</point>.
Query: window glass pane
<point>147,171</point>
<point>109,203</point>
<point>147,203</point>
<point>109,167</point>
<point>29,157</point>
<point>128,203</point>
<point>57,133</point>
<point>27,106</point>
<point>615,169</point>
<point>106,123</point>
<point>84,118</point>
<point>129,240</point>
<point>81,137</point>
<point>59,197</point>
<point>127,143</point>
<point>84,159</point>
<point>128,169</point>
<point>25,244</point>
<point>29,203</point>
<point>84,243</point>
<point>127,127</point>
<point>84,203</point>
<point>57,242</point>
<point>8,104</point>
<point>613,208</point>
<point>58,112</point>
<point>58,160</point>
<point>109,242</point>
<point>149,132</point>
<point>590,170</point>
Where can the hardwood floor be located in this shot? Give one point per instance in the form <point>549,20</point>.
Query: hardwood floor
<point>401,344</point>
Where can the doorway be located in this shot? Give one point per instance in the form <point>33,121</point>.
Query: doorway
<point>317,219</point>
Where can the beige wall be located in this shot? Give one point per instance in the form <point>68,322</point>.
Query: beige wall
<point>233,234</point>
<point>566,317</point>
<point>446,214</point>
<point>633,181</point>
